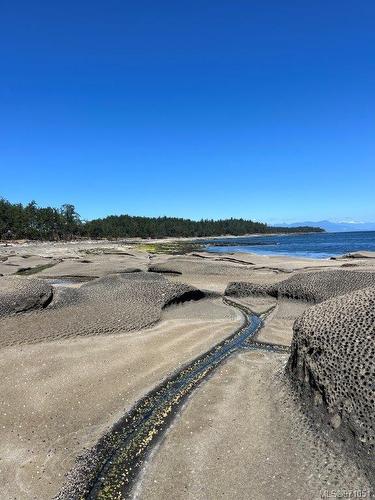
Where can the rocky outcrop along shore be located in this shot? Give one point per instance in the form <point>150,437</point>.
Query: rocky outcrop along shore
<point>312,287</point>
<point>332,364</point>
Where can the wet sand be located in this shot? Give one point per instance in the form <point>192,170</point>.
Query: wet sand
<point>241,435</point>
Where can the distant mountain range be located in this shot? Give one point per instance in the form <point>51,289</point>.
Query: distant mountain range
<point>334,227</point>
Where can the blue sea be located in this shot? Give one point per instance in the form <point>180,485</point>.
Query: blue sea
<point>311,245</point>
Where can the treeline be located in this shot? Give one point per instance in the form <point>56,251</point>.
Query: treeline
<point>119,226</point>
<point>19,221</point>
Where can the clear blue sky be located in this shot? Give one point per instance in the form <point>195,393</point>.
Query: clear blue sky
<point>263,109</point>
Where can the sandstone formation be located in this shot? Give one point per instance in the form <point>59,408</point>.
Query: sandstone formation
<point>312,287</point>
<point>333,364</point>
<point>22,294</point>
<point>114,303</point>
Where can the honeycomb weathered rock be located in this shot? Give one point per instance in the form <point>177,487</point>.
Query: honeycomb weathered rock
<point>312,287</point>
<point>333,364</point>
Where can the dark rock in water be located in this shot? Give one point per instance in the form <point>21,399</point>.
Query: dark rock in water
<point>358,255</point>
<point>332,363</point>
<point>23,294</point>
<point>312,287</point>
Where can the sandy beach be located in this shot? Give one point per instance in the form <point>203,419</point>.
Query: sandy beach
<point>88,329</point>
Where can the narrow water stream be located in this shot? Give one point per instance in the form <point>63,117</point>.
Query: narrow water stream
<point>119,455</point>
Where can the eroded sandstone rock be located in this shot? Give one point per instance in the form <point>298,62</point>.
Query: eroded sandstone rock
<point>332,363</point>
<point>312,287</point>
<point>22,294</point>
<point>112,304</point>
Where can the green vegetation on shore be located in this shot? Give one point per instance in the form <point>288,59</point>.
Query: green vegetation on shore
<point>28,271</point>
<point>48,223</point>
<point>177,247</point>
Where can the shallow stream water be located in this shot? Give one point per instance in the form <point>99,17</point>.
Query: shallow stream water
<point>111,469</point>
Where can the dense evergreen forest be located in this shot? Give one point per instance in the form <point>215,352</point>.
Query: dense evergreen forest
<point>30,221</point>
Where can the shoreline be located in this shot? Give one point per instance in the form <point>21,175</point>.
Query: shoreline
<point>170,239</point>
<point>180,246</point>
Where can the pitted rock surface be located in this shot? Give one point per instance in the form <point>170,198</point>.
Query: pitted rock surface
<point>96,266</point>
<point>112,304</point>
<point>333,363</point>
<point>312,287</point>
<point>202,267</point>
<point>22,294</point>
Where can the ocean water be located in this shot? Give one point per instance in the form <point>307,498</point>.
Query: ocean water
<point>312,245</point>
